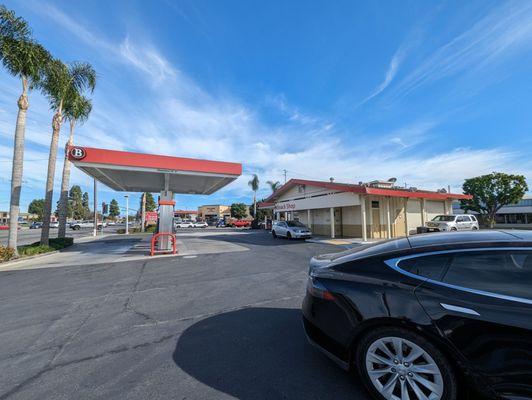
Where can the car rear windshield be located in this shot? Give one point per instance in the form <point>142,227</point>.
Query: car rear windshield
<point>295,224</point>
<point>444,218</point>
<point>373,249</point>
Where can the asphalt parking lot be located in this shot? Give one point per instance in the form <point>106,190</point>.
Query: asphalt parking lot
<point>207,326</point>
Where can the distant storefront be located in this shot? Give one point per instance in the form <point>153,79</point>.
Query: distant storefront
<point>186,215</point>
<point>374,210</point>
<point>212,213</point>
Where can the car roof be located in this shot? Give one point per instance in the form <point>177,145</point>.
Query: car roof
<point>486,237</point>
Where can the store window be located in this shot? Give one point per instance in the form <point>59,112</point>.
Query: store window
<point>374,204</point>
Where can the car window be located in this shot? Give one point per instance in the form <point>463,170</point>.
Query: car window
<point>503,272</point>
<point>444,218</point>
<point>460,219</point>
<point>466,218</point>
<point>431,267</point>
<point>296,224</point>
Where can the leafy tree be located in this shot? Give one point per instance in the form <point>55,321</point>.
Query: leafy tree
<point>75,200</point>
<point>25,59</point>
<point>239,210</point>
<point>85,204</point>
<point>254,184</point>
<point>150,202</point>
<point>114,209</point>
<point>274,185</point>
<point>492,192</point>
<point>36,207</point>
<point>77,109</point>
<point>61,83</point>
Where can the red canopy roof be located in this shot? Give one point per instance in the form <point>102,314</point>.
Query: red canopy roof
<point>139,172</point>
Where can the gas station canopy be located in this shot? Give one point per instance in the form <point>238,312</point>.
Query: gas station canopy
<point>138,172</point>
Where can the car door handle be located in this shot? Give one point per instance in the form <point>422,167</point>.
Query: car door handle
<point>462,310</point>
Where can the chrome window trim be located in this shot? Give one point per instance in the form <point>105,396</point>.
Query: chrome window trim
<point>393,263</point>
<point>459,309</point>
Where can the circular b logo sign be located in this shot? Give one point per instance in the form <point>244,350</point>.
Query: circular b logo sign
<point>77,152</point>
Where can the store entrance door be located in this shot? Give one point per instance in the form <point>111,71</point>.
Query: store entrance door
<point>376,223</point>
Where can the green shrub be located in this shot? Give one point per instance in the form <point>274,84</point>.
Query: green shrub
<point>6,253</point>
<point>53,244</point>
<point>151,228</point>
<point>32,249</point>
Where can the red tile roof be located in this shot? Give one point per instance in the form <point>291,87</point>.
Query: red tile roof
<point>368,190</point>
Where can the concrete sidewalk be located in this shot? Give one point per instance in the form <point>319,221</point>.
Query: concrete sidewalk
<point>109,249</point>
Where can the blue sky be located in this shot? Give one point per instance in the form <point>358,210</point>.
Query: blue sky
<point>428,92</point>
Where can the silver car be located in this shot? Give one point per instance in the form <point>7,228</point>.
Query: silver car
<point>291,230</point>
<point>444,223</point>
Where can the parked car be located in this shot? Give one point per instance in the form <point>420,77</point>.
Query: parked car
<point>77,225</point>
<point>443,223</point>
<point>185,224</point>
<point>429,316</point>
<point>4,227</point>
<point>220,223</point>
<point>291,230</point>
<point>54,224</point>
<point>36,225</point>
<point>200,224</point>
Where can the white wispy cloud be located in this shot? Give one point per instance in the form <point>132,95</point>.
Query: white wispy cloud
<point>490,40</point>
<point>391,72</point>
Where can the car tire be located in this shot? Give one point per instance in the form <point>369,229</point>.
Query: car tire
<point>288,235</point>
<point>475,228</point>
<point>454,229</point>
<point>274,234</point>
<point>443,377</point>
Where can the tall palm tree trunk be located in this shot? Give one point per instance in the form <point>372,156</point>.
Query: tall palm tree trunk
<point>17,169</point>
<point>56,125</point>
<point>254,205</point>
<point>65,182</point>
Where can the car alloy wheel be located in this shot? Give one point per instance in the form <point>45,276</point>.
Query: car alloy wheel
<point>400,369</point>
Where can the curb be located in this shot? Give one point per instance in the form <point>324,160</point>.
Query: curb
<point>11,262</point>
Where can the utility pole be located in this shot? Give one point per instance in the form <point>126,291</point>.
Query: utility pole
<point>95,230</point>
<point>143,213</point>
<point>127,214</point>
<point>284,172</point>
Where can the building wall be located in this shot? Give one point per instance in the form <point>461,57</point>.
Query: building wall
<point>404,213</point>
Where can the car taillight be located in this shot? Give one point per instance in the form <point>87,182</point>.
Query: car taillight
<point>317,289</point>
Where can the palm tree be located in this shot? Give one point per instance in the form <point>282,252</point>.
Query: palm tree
<point>274,185</point>
<point>25,59</point>
<point>77,109</point>
<point>61,81</point>
<point>254,183</point>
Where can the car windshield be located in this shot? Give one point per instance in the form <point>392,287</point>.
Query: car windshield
<point>444,218</point>
<point>295,224</point>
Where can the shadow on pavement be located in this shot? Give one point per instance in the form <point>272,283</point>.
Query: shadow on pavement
<point>261,353</point>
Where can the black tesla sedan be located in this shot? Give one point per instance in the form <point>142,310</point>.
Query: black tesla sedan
<point>429,316</point>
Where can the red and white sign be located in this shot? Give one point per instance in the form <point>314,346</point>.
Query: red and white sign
<point>78,153</point>
<point>151,216</point>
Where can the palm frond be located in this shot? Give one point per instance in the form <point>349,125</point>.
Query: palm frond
<point>254,183</point>
<point>77,107</point>
<point>24,58</point>
<point>83,76</point>
<point>12,26</point>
